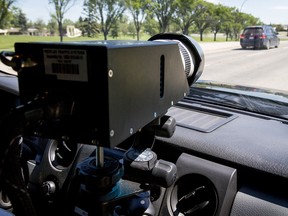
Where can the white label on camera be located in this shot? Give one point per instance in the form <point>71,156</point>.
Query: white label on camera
<point>66,64</point>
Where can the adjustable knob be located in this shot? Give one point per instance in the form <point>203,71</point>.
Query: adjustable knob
<point>48,188</point>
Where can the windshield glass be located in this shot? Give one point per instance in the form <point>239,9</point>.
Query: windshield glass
<point>253,31</point>
<point>244,42</point>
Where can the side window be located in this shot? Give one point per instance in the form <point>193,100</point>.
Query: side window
<point>270,30</point>
<point>258,31</point>
<point>248,31</point>
<point>274,31</point>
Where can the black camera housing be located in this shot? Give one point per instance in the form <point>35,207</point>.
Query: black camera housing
<point>116,87</point>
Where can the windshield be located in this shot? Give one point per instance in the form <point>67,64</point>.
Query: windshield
<point>252,31</point>
<point>245,42</point>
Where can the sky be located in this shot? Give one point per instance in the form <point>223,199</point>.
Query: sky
<point>41,9</point>
<point>268,11</point>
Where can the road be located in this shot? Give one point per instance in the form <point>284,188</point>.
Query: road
<point>227,62</point>
<point>7,69</point>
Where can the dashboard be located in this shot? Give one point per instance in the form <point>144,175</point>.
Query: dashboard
<point>229,162</point>
<point>244,157</point>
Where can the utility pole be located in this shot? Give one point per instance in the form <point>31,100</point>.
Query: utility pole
<point>242,5</point>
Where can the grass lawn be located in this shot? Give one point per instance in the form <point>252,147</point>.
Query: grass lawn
<point>7,42</point>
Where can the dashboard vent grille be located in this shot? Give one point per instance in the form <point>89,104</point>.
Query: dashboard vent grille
<point>199,119</point>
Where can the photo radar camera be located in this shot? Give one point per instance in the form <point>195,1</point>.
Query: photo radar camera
<point>102,93</point>
<point>105,91</point>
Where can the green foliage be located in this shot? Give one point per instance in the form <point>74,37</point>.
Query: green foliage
<point>52,27</point>
<point>61,7</point>
<point>5,6</point>
<point>105,12</point>
<point>150,26</point>
<point>139,10</point>
<point>182,17</point>
<point>143,17</point>
<point>89,25</point>
<point>279,28</point>
<point>163,11</point>
<point>18,19</point>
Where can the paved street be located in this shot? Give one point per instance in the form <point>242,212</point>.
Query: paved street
<point>228,62</point>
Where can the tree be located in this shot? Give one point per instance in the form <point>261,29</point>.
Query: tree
<point>52,26</point>
<point>184,14</point>
<point>138,10</point>
<point>203,16</point>
<point>131,29</point>
<point>163,10</point>
<point>238,20</point>
<point>4,10</point>
<point>40,25</point>
<point>150,26</point>
<point>220,15</point>
<point>89,25</point>
<point>61,7</point>
<point>226,27</point>
<point>227,23</point>
<point>108,12</point>
<point>115,30</point>
<point>19,19</point>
